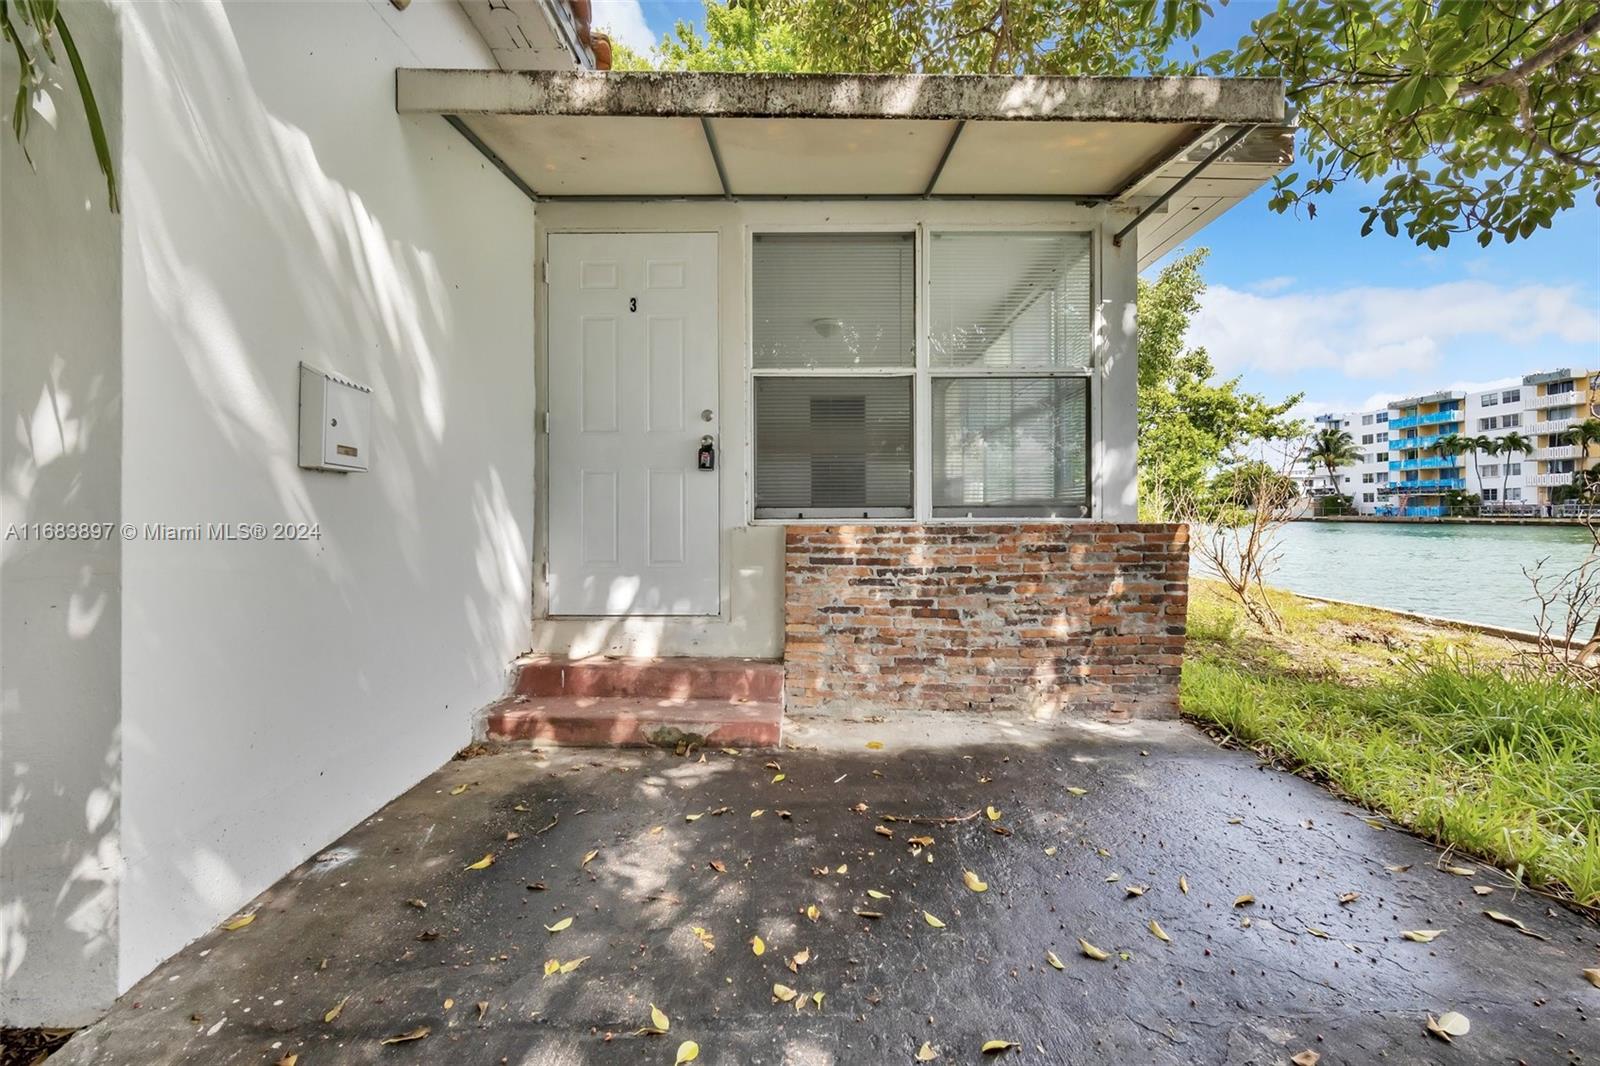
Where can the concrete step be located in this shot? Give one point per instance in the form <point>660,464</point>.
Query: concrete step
<point>726,680</point>
<point>633,722</point>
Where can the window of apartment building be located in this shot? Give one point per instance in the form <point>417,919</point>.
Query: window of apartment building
<point>1513,469</point>
<point>1510,421</point>
<point>1556,388</point>
<point>1383,457</point>
<point>1486,424</point>
<point>1513,493</point>
<point>1366,438</point>
<point>1007,367</point>
<point>1367,497</point>
<point>1383,416</point>
<point>1490,495</point>
<point>1366,420</point>
<point>1511,396</point>
<point>1492,470</point>
<point>1366,479</point>
<point>1561,466</point>
<point>1382,437</point>
<point>1489,399</point>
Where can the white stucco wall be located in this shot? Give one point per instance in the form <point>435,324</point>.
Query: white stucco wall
<point>750,622</point>
<point>277,209</point>
<point>60,618</point>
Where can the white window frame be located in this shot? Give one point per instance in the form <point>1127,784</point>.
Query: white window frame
<point>922,373</point>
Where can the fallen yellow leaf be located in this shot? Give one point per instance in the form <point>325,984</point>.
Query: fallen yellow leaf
<point>813,912</point>
<point>587,859</point>
<point>1244,900</point>
<point>1076,791</point>
<point>993,813</point>
<point>817,997</point>
<point>974,882</point>
<point>562,924</point>
<point>1422,936</point>
<point>1506,919</point>
<point>239,922</point>
<point>925,1053</point>
<point>483,863</point>
<point>758,812</point>
<point>757,945</point>
<point>801,957</point>
<point>659,1019</point>
<point>551,966</point>
<point>778,777</point>
<point>994,1047</point>
<point>404,1038</point>
<point>1091,951</point>
<point>288,1060</point>
<point>875,894</point>
<point>783,993</point>
<point>338,1008</point>
<point>1158,932</point>
<point>688,1051</point>
<point>458,790</point>
<point>883,830</point>
<point>1592,976</point>
<point>875,745</point>
<point>1459,871</point>
<point>931,920</point>
<point>1449,1024</point>
<point>1054,960</point>
<point>448,1003</point>
<point>1183,884</point>
<point>694,817</point>
<point>573,964</point>
<point>1306,1058</point>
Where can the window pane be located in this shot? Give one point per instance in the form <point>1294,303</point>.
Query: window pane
<point>1010,300</point>
<point>833,301</point>
<point>1010,443</point>
<point>833,444</point>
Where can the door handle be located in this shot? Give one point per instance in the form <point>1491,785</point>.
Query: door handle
<point>706,457</point>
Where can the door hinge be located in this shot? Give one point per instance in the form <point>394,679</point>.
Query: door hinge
<point>544,267</point>
<point>544,422</point>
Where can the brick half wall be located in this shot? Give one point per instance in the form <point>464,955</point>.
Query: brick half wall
<point>1057,618</point>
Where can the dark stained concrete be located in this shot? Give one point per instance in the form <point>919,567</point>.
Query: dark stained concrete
<point>1222,991</point>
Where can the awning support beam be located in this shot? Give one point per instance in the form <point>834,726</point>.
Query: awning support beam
<point>1160,201</point>
<point>489,153</point>
<point>716,157</point>
<point>1155,166</point>
<point>950,146</point>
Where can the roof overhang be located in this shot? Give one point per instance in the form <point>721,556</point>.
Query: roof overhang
<point>1176,152</point>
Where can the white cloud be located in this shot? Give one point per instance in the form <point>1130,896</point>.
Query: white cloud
<point>624,22</point>
<point>1371,332</point>
<point>1271,285</point>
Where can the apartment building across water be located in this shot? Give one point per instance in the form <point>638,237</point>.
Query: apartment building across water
<point>1403,472</point>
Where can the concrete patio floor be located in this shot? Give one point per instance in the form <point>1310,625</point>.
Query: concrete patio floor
<point>1257,983</point>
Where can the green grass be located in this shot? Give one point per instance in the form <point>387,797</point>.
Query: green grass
<point>1430,728</point>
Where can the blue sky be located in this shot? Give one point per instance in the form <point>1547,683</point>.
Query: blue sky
<point>1310,306</point>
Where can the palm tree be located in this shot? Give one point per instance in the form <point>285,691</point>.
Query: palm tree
<point>1512,442</point>
<point>1585,433</point>
<point>1476,445</point>
<point>1333,448</point>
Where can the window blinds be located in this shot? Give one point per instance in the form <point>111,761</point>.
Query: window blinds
<point>833,444</point>
<point>1010,301</point>
<point>1017,444</point>
<point>833,301</point>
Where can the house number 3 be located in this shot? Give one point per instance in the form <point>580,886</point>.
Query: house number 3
<point>633,303</point>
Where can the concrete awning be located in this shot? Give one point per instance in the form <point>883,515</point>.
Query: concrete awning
<point>690,135</point>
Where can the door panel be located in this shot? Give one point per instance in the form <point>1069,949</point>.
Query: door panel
<point>634,527</point>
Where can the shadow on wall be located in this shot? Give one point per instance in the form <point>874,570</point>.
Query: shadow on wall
<point>60,613</point>
<point>279,210</point>
<point>261,697</point>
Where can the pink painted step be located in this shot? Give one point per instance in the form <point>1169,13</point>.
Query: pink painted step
<point>621,722</point>
<point>642,702</point>
<point>730,680</point>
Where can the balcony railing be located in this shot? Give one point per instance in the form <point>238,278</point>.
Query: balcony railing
<point>1559,399</point>
<point>1428,488</point>
<point>1565,451</point>
<point>1559,425</point>
<point>1433,419</point>
<point>1552,480</point>
<point>1431,463</point>
<point>1424,512</point>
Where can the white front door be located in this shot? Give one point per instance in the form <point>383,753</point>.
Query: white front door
<point>633,391</point>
